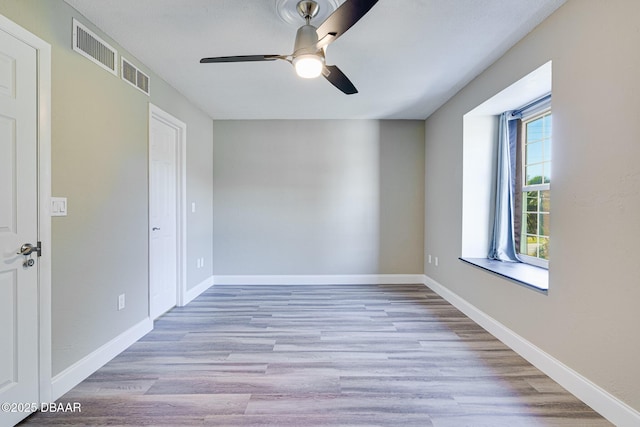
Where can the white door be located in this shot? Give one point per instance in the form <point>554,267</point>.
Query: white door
<point>18,225</point>
<point>163,208</point>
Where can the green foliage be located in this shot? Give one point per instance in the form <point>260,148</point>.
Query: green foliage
<point>538,180</point>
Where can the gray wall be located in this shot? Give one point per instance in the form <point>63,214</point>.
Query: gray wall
<point>99,162</point>
<point>318,197</point>
<point>589,319</point>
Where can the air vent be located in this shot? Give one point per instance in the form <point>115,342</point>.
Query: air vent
<point>92,47</point>
<point>131,74</point>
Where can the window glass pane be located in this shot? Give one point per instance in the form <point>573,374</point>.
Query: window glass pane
<point>545,202</point>
<point>546,173</point>
<point>547,149</point>
<point>534,153</point>
<point>534,131</point>
<point>534,174</point>
<point>547,126</point>
<point>531,201</point>
<point>543,248</point>
<point>532,246</point>
<point>544,224</point>
<point>532,223</point>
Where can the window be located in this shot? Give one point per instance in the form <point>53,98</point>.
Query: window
<point>505,210</point>
<point>535,173</point>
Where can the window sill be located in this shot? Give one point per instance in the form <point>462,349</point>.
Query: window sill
<point>530,276</point>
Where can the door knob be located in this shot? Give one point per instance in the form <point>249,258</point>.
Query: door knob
<point>27,249</point>
<point>155,229</point>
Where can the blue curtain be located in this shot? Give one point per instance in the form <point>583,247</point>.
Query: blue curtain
<point>503,245</point>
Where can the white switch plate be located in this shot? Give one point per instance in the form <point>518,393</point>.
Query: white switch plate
<point>193,207</point>
<point>58,206</point>
<point>120,302</point>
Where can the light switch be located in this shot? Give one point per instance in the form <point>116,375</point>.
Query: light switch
<point>58,206</point>
<point>193,207</point>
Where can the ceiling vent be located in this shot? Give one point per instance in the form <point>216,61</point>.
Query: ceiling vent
<point>92,47</point>
<point>131,74</point>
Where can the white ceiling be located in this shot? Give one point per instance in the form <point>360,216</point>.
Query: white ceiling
<point>406,57</point>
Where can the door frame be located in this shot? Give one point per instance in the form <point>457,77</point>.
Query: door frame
<point>43,124</point>
<point>157,113</point>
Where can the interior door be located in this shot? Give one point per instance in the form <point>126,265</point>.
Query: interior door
<point>18,225</point>
<point>163,208</point>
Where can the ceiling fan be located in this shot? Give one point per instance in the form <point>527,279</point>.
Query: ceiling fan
<point>308,55</point>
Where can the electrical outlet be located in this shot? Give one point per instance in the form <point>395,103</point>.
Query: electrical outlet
<point>429,258</point>
<point>436,261</point>
<point>121,302</point>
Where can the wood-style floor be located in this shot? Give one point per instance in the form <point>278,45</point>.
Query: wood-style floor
<point>375,355</point>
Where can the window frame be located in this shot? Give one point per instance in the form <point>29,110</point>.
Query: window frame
<point>523,188</point>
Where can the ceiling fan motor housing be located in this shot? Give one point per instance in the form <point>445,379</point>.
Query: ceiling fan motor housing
<point>306,40</point>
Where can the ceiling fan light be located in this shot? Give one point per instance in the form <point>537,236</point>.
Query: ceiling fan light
<point>308,66</point>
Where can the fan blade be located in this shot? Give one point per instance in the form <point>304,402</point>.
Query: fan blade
<point>325,41</point>
<point>242,58</point>
<point>338,79</point>
<point>343,18</point>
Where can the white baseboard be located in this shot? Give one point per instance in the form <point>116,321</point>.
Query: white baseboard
<point>613,409</point>
<point>194,292</point>
<point>343,279</point>
<point>79,371</point>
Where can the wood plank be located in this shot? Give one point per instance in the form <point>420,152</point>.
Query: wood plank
<point>347,355</point>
